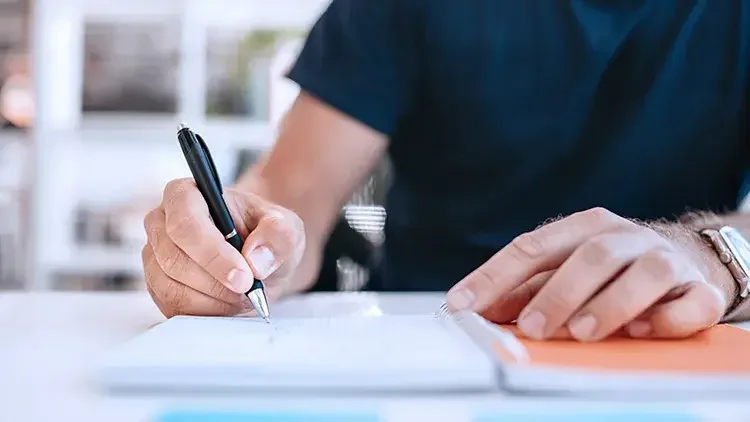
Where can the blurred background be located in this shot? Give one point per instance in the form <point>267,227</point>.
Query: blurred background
<point>91,92</point>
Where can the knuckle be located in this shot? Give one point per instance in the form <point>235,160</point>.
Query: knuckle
<point>289,236</point>
<point>601,216</point>
<point>609,311</point>
<point>713,303</point>
<point>298,235</point>
<point>181,226</point>
<point>149,219</point>
<point>285,235</point>
<point>176,298</point>
<point>298,223</point>
<point>151,293</point>
<point>173,263</point>
<point>145,253</point>
<point>660,266</point>
<point>167,312</point>
<point>486,277</point>
<point>176,188</point>
<point>216,290</point>
<point>225,309</point>
<point>673,324</point>
<point>714,314</point>
<point>154,236</point>
<point>557,300</point>
<point>213,260</point>
<point>597,252</point>
<point>599,213</point>
<point>528,245</point>
<point>147,258</point>
<point>296,228</point>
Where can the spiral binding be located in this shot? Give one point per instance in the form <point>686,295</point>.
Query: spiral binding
<point>477,329</point>
<point>444,312</point>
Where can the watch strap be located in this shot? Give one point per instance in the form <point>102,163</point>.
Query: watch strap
<point>740,307</point>
<point>741,302</point>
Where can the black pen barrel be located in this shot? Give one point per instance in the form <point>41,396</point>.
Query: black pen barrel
<point>209,187</point>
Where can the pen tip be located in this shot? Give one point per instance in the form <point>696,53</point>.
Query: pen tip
<point>267,319</point>
<point>182,126</point>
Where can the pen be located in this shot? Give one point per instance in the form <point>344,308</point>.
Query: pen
<point>204,172</point>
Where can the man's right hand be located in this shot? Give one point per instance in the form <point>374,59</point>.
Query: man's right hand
<point>191,269</point>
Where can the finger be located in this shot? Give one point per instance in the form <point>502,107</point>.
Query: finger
<point>531,253</point>
<point>507,308</point>
<point>189,225</point>
<point>700,307</point>
<point>674,294</point>
<point>650,278</point>
<point>563,333</point>
<point>174,298</point>
<point>177,265</point>
<point>273,242</point>
<point>587,271</point>
<point>246,210</point>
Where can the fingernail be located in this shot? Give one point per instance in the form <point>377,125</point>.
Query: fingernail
<point>532,325</point>
<point>582,327</point>
<point>262,260</point>
<point>240,281</point>
<point>461,299</point>
<point>639,329</point>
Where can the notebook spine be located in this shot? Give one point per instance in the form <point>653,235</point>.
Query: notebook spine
<point>501,344</point>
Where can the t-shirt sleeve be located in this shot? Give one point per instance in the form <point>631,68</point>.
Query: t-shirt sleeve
<point>360,57</point>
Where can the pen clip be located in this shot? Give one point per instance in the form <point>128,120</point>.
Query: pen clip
<point>210,160</point>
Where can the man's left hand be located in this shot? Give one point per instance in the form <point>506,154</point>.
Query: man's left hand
<point>592,274</point>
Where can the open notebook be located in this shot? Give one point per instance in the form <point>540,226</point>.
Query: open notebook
<point>431,353</point>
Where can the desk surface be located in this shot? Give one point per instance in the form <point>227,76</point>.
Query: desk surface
<point>52,342</point>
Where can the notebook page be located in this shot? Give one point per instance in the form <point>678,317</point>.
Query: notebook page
<point>406,343</point>
<point>720,349</point>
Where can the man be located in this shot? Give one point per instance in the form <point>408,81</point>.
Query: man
<point>621,115</point>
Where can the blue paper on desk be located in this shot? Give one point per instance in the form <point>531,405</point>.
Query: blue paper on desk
<point>269,417</point>
<point>613,415</point>
<point>582,415</point>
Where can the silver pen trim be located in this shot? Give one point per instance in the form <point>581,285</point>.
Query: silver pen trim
<point>260,304</point>
<point>231,235</point>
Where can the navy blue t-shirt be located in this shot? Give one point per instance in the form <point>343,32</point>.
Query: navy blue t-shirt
<point>504,113</point>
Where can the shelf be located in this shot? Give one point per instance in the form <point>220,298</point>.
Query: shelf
<point>69,145</point>
<point>99,260</point>
<point>145,130</point>
<point>219,12</point>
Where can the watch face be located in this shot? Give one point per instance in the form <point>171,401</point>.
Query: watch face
<point>739,246</point>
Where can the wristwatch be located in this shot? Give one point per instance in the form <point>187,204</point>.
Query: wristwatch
<point>734,252</point>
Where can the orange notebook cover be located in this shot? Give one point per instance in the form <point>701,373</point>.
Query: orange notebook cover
<point>721,349</point>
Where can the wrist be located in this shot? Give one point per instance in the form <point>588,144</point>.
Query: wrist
<point>688,240</point>
<point>250,182</point>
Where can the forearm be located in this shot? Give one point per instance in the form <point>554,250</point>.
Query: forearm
<point>249,178</point>
<point>686,233</point>
<point>320,158</point>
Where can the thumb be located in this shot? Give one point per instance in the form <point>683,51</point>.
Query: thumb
<point>274,242</point>
<point>507,308</point>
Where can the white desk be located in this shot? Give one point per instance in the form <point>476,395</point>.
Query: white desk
<point>51,343</point>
